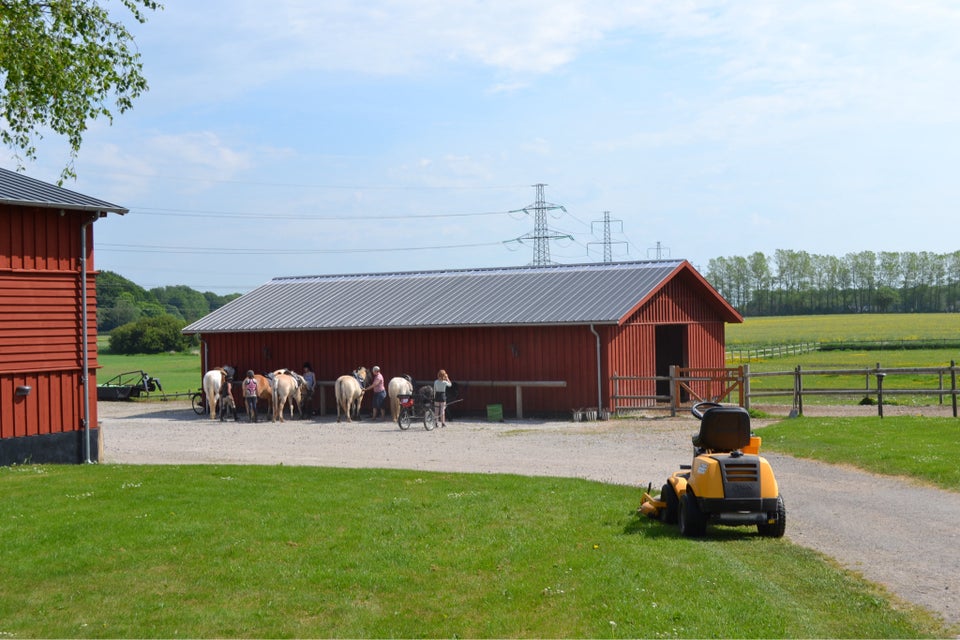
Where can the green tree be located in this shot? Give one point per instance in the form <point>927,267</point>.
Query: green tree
<point>120,301</point>
<point>123,311</point>
<point>760,280</point>
<point>181,300</point>
<point>64,63</point>
<point>150,335</point>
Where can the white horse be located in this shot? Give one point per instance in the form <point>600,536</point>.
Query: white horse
<point>288,387</point>
<point>349,390</point>
<point>215,382</point>
<point>401,385</point>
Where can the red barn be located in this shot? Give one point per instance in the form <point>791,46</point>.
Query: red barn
<point>556,333</point>
<point>48,326</point>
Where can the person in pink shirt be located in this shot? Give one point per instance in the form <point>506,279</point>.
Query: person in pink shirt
<point>379,394</point>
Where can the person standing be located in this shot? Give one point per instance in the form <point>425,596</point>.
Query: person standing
<point>250,395</point>
<point>310,378</point>
<point>379,393</point>
<point>440,386</point>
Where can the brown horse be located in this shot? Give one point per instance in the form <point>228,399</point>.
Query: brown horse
<point>349,390</point>
<point>264,390</point>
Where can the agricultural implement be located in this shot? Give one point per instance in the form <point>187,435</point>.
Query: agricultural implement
<point>127,385</point>
<point>728,482</point>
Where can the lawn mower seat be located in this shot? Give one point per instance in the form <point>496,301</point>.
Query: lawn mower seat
<point>723,429</point>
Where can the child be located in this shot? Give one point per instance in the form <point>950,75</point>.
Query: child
<point>250,395</point>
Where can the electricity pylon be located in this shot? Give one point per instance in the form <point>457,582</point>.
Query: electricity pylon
<point>541,235</point>
<point>607,243</point>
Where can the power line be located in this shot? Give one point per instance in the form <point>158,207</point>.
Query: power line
<point>145,248</point>
<point>200,213</point>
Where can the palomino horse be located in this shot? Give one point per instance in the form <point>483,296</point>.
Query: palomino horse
<point>398,386</point>
<point>349,391</point>
<point>288,386</point>
<point>216,382</point>
<point>264,390</point>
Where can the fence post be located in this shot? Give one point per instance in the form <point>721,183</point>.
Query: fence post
<point>745,386</point>
<point>616,393</point>
<point>953,386</point>
<point>798,391</point>
<point>674,391</point>
<point>880,376</point>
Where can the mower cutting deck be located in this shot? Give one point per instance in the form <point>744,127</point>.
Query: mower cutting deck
<point>727,483</point>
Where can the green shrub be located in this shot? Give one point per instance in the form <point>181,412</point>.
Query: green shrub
<point>150,335</point>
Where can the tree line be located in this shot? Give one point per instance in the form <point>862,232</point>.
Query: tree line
<point>799,283</point>
<point>149,321</point>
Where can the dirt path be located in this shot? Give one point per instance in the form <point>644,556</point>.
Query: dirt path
<point>893,532</point>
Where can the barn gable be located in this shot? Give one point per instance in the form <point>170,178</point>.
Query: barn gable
<point>495,330</point>
<point>47,307</point>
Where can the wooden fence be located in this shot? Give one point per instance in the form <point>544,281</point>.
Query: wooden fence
<point>733,384</point>
<point>751,354</point>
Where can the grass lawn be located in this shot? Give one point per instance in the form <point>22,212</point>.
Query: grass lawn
<point>919,447</point>
<point>257,551</point>
<point>178,372</point>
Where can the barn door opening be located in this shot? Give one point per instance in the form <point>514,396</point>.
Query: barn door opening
<point>671,347</point>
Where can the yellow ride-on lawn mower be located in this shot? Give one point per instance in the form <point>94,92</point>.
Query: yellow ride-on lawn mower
<point>728,483</point>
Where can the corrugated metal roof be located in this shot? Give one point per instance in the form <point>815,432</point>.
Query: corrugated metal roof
<point>18,189</point>
<point>564,294</point>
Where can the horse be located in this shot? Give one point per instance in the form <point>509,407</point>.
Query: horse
<point>215,383</point>
<point>264,390</point>
<point>401,385</point>
<point>349,391</point>
<point>288,386</point>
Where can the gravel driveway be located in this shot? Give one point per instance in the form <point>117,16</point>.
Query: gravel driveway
<point>894,532</point>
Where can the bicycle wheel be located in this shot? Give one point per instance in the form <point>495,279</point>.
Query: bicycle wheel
<point>403,420</point>
<point>199,406</point>
<point>429,420</point>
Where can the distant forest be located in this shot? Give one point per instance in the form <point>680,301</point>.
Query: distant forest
<point>799,283</point>
<point>120,301</point>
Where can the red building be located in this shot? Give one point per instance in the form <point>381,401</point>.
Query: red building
<point>558,333</point>
<point>48,326</point>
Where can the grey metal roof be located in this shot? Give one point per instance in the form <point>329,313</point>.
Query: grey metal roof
<point>566,294</point>
<point>18,189</point>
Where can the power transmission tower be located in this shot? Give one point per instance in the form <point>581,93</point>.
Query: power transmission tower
<point>541,235</point>
<point>659,251</point>
<point>607,243</point>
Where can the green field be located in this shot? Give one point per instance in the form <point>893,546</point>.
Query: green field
<point>178,372</point>
<point>851,330</point>
<point>111,551</point>
<point>847,327</point>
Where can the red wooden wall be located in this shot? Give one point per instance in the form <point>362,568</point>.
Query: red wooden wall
<point>632,346</point>
<point>500,353</point>
<point>40,314</point>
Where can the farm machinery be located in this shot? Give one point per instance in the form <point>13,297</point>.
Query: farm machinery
<point>127,385</point>
<point>727,483</point>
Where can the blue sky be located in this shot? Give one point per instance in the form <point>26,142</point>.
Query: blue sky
<point>303,137</point>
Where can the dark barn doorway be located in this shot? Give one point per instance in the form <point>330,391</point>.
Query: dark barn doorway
<point>671,349</point>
